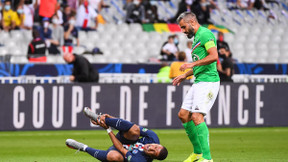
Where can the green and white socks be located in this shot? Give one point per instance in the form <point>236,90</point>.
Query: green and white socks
<point>192,133</point>
<point>199,137</point>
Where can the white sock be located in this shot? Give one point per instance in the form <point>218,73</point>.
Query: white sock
<point>84,148</point>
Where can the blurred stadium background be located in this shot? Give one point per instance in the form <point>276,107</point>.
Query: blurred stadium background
<point>254,36</point>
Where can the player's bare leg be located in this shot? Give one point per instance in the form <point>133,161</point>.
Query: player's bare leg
<point>130,131</point>
<point>102,155</point>
<point>115,156</point>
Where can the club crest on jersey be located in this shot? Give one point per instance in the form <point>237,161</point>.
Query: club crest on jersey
<point>210,95</point>
<point>144,129</point>
<point>195,57</point>
<point>135,151</point>
<point>129,157</point>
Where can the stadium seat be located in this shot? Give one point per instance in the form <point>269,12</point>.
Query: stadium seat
<point>4,36</point>
<point>19,59</point>
<point>251,39</point>
<point>135,28</point>
<point>17,51</point>
<point>10,43</point>
<point>272,60</point>
<point>264,38</point>
<point>260,60</point>
<point>57,59</point>
<point>82,36</point>
<point>16,34</point>
<point>123,28</point>
<point>248,59</point>
<point>93,35</point>
<point>89,57</point>
<point>249,46</point>
<point>27,35</point>
<point>126,60</point>
<point>262,53</point>
<point>3,51</point>
<point>100,59</point>
<point>89,46</point>
<point>276,39</point>
<point>113,60</point>
<point>283,59</point>
<point>78,50</point>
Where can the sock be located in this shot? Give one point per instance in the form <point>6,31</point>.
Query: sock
<point>192,133</point>
<point>119,124</point>
<point>98,154</point>
<point>203,134</point>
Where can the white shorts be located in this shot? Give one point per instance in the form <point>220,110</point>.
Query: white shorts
<point>201,97</point>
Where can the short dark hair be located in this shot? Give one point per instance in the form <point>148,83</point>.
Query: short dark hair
<point>7,1</point>
<point>181,56</point>
<point>163,154</point>
<point>35,33</point>
<point>186,15</point>
<point>170,36</point>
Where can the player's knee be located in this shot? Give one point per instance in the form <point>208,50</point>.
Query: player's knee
<point>197,118</point>
<point>135,129</point>
<point>114,156</point>
<point>183,116</point>
<point>134,132</point>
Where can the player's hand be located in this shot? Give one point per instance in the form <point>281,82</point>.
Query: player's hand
<point>103,125</point>
<point>178,79</point>
<point>186,66</point>
<point>102,120</point>
<point>94,122</point>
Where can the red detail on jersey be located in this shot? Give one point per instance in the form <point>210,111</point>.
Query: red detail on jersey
<point>86,18</point>
<point>32,48</point>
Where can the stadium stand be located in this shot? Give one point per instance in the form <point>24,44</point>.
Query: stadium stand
<point>116,39</point>
<point>254,36</point>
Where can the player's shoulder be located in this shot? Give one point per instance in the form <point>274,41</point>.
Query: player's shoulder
<point>206,35</point>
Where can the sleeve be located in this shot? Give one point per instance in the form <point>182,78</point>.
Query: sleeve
<point>230,63</point>
<point>165,47</point>
<point>144,132</point>
<point>129,157</point>
<point>30,48</point>
<point>208,40</point>
<point>93,12</point>
<point>14,16</point>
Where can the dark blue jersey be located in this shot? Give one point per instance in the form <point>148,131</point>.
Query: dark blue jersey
<point>135,151</point>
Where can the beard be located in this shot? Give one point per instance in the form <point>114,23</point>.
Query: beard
<point>191,32</point>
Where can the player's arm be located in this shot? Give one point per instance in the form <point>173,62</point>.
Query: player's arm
<point>151,135</point>
<point>227,71</point>
<point>117,143</point>
<point>180,78</point>
<point>210,58</point>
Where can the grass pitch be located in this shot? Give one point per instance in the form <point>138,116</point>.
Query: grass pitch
<point>227,145</point>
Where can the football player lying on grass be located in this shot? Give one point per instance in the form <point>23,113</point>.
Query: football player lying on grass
<point>132,143</point>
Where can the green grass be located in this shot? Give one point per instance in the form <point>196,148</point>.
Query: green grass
<point>227,145</point>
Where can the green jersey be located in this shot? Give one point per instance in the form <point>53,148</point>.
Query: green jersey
<point>203,40</point>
